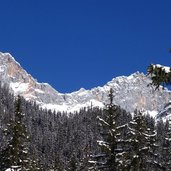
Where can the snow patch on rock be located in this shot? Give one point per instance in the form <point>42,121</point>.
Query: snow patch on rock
<point>130,92</point>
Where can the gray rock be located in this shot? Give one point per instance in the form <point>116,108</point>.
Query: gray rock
<point>131,92</point>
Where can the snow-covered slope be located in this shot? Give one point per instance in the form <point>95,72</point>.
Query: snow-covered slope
<point>130,92</point>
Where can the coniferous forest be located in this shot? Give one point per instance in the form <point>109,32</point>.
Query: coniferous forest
<point>92,139</point>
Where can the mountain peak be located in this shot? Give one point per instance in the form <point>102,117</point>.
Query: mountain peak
<point>130,92</point>
<point>7,57</point>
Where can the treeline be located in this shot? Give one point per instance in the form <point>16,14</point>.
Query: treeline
<point>91,139</point>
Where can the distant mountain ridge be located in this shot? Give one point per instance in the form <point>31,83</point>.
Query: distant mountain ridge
<point>131,92</point>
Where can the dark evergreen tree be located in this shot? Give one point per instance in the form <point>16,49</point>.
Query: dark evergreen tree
<point>141,145</point>
<point>160,75</point>
<point>16,152</point>
<point>73,163</point>
<point>166,147</point>
<point>110,132</point>
<point>84,162</point>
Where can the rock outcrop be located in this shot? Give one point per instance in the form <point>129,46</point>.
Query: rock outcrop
<point>131,92</point>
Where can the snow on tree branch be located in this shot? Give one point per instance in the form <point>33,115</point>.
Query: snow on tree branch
<point>160,75</point>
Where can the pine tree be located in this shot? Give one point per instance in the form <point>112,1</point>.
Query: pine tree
<point>110,132</point>
<point>160,75</point>
<point>166,147</point>
<point>73,163</point>
<point>142,145</point>
<point>84,162</point>
<point>16,152</point>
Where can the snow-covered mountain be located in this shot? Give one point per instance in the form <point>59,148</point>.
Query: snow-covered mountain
<point>131,92</point>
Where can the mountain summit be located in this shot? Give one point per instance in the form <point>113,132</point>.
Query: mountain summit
<point>130,92</point>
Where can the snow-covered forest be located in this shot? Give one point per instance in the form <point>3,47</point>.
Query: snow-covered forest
<point>91,139</point>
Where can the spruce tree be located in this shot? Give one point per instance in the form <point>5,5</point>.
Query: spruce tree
<point>73,163</point>
<point>166,147</point>
<point>16,152</point>
<point>141,141</point>
<point>110,133</point>
<point>160,75</point>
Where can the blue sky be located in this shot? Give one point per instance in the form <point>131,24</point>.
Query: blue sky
<point>85,43</point>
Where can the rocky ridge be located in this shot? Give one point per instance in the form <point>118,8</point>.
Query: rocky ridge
<point>131,92</point>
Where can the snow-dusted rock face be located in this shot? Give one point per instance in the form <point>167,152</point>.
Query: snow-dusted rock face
<point>130,92</point>
<point>20,82</point>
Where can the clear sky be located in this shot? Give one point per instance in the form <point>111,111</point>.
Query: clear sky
<point>85,43</point>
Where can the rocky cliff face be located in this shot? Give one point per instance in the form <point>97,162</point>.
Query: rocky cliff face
<point>22,83</point>
<point>130,92</point>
